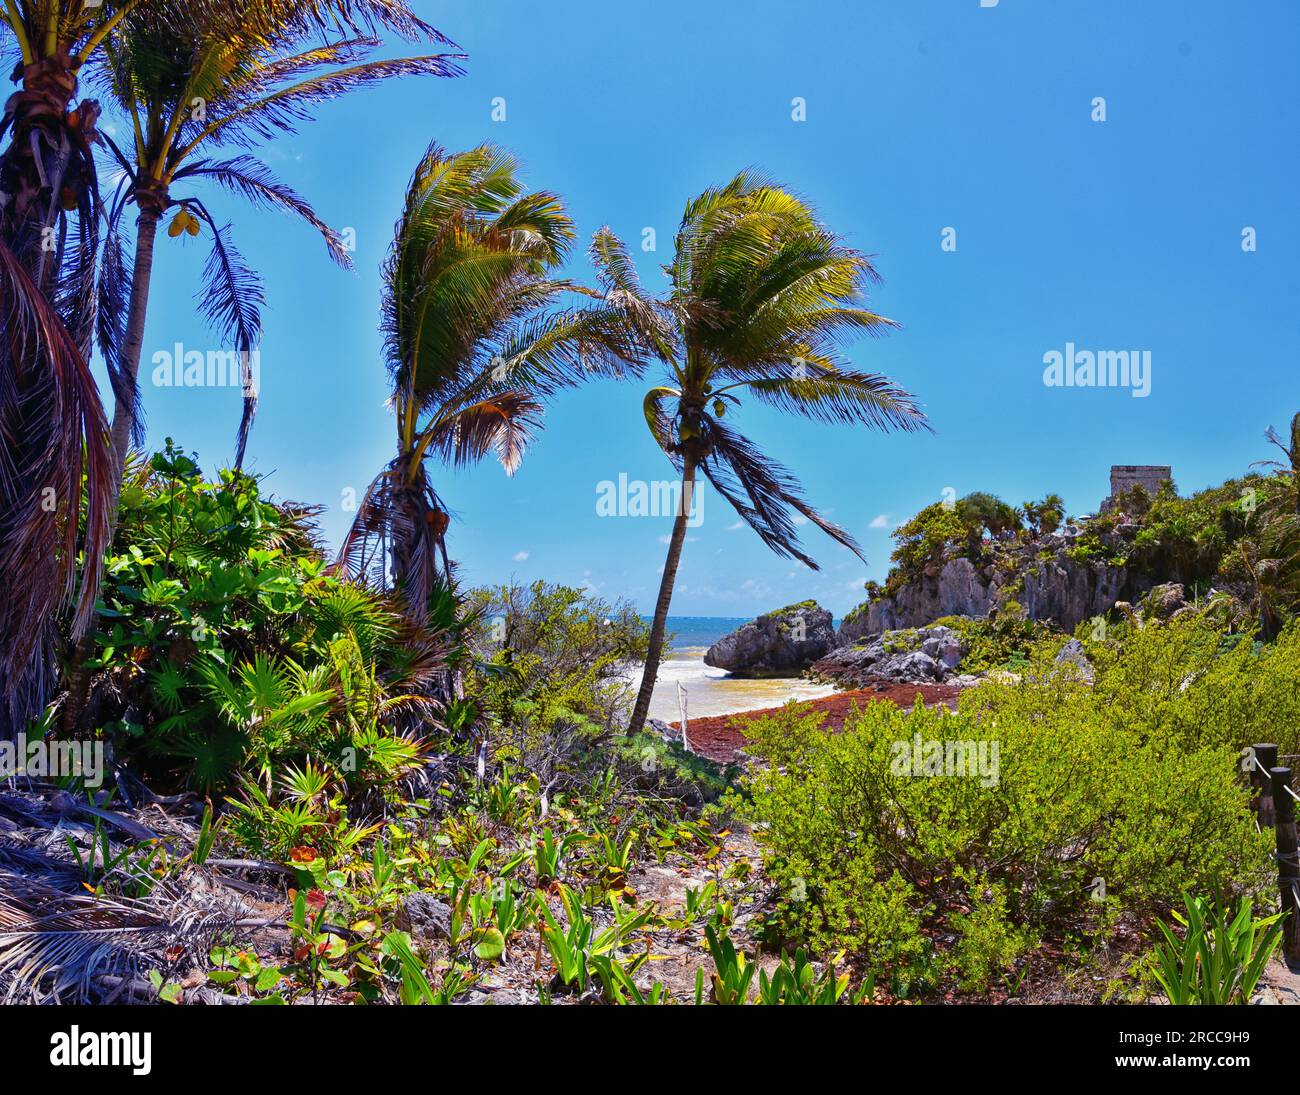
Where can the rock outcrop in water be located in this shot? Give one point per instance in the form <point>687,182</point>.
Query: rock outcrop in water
<point>780,644</point>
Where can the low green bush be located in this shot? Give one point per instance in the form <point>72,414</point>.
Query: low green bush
<point>1001,641</point>
<point>223,647</point>
<point>934,867</point>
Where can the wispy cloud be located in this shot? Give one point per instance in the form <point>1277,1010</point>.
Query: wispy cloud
<point>881,520</point>
<point>520,556</point>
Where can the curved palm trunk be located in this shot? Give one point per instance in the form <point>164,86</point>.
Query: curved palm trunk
<point>657,629</point>
<point>142,273</point>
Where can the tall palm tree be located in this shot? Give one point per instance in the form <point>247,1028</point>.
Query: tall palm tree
<point>187,85</point>
<point>760,294</point>
<point>57,478</point>
<point>56,469</point>
<point>472,343</point>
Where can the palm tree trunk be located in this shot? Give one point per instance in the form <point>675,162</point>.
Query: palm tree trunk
<point>124,412</point>
<point>123,416</point>
<point>655,654</point>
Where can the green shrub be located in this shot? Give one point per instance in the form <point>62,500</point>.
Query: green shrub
<point>865,853</point>
<point>1002,641</point>
<point>551,672</point>
<point>223,647</point>
<point>1193,683</point>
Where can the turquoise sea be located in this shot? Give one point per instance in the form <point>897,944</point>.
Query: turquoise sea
<point>683,676</point>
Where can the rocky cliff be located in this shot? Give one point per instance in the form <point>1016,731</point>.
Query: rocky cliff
<point>1048,585</point>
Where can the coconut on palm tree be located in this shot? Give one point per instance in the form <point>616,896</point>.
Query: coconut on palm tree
<point>473,340</point>
<point>188,87</point>
<point>760,297</point>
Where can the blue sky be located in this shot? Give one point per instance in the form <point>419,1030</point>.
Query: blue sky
<point>921,115</point>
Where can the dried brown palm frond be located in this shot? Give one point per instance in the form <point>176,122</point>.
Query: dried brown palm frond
<point>54,944</point>
<point>56,461</point>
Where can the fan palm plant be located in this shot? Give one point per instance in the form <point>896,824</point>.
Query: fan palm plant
<point>760,295</point>
<point>473,342</point>
<point>188,85</point>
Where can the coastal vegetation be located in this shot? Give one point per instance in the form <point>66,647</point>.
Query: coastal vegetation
<point>323,777</point>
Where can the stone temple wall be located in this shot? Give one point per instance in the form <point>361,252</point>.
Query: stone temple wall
<point>1125,477</point>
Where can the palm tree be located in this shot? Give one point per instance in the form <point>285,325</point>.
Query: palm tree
<point>57,480</point>
<point>186,85</point>
<point>472,343</point>
<point>760,294</point>
<point>57,469</point>
<point>1273,561</point>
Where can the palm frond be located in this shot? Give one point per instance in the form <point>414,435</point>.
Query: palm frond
<point>764,494</point>
<point>252,179</point>
<point>231,301</point>
<point>839,395</point>
<point>54,944</point>
<point>54,439</point>
<point>502,424</point>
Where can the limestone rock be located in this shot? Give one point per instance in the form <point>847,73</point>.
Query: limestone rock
<point>780,644</point>
<point>425,917</point>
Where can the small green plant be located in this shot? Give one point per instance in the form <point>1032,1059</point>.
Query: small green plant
<point>573,948</point>
<point>797,983</point>
<point>733,971</point>
<point>1217,961</point>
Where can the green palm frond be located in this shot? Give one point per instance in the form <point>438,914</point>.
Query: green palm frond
<point>763,493</point>
<point>833,395</point>
<point>305,784</point>
<point>167,683</point>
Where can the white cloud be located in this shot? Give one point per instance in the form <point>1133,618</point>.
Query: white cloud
<point>881,520</point>
<point>520,556</point>
<point>857,584</point>
<point>800,519</point>
<point>737,525</point>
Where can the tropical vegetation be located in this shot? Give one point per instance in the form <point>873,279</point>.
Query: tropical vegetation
<point>348,777</point>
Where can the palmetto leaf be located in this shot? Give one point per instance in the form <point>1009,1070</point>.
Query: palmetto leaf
<point>305,783</point>
<point>167,683</point>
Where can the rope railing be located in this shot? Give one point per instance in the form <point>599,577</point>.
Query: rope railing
<point>1267,774</point>
<point>1274,802</point>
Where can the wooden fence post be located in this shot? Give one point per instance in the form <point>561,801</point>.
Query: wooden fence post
<point>1288,870</point>
<point>1265,761</point>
